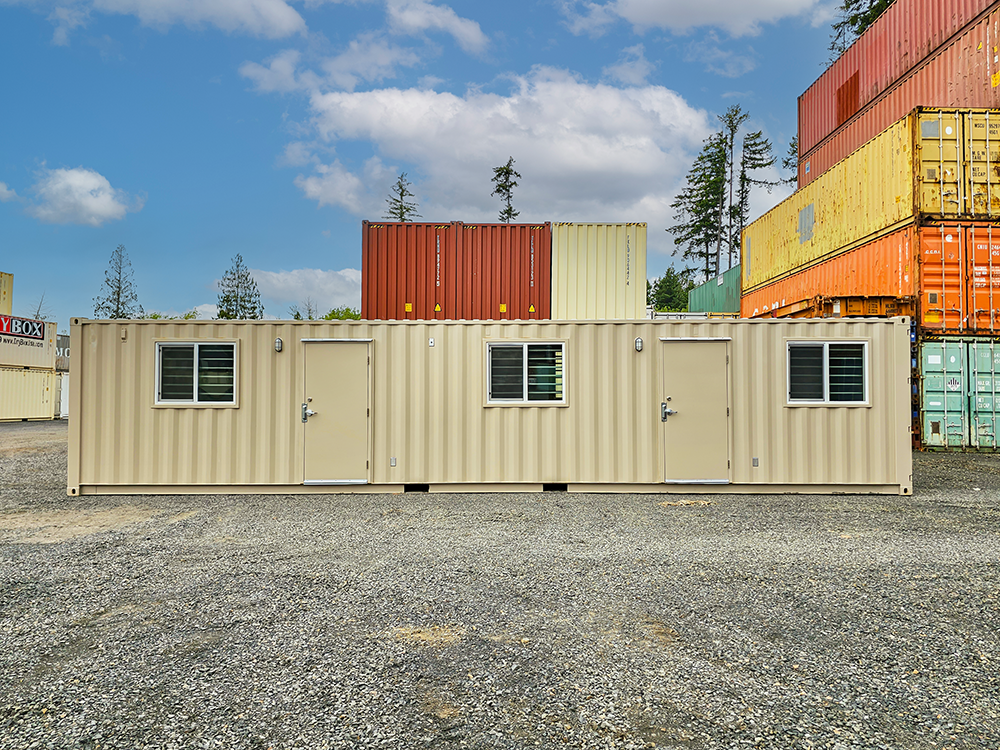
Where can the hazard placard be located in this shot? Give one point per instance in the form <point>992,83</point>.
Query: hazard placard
<point>503,307</point>
<point>437,307</point>
<point>531,308</point>
<point>408,306</point>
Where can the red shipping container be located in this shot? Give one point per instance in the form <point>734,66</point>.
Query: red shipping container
<point>963,73</point>
<point>401,269</point>
<point>899,40</point>
<point>455,271</point>
<point>508,271</point>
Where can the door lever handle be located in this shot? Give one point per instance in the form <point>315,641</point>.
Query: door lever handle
<point>307,412</point>
<point>665,412</point>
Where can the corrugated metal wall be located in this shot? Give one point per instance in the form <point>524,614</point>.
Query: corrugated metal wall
<point>598,271</point>
<point>721,294</point>
<point>428,406</point>
<point>964,73</point>
<point>899,40</point>
<point>885,267</point>
<point>27,394</point>
<point>19,351</point>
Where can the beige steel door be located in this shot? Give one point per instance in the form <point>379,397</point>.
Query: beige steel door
<point>694,410</point>
<point>335,411</point>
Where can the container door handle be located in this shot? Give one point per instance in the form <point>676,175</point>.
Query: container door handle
<point>665,412</point>
<point>307,412</point>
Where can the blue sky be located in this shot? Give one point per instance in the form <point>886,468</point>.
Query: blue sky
<point>192,130</point>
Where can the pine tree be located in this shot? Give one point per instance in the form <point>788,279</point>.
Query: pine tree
<point>401,209</point>
<point>505,178</point>
<point>697,207</point>
<point>670,292</point>
<point>117,299</point>
<point>239,298</point>
<point>790,162</point>
<point>714,206</point>
<point>855,17</point>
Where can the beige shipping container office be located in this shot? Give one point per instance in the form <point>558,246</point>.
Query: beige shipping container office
<point>638,406</point>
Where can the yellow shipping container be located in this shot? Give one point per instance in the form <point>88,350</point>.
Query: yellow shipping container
<point>6,293</point>
<point>934,163</point>
<point>27,394</point>
<point>598,271</point>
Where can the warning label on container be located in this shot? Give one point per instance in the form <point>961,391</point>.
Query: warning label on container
<point>531,308</point>
<point>408,306</point>
<point>954,384</point>
<point>437,307</point>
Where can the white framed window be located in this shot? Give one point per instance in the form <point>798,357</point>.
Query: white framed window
<point>828,372</point>
<point>524,373</point>
<point>196,373</point>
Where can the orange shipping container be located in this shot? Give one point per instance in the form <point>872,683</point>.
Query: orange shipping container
<point>963,73</point>
<point>454,271</point>
<point>949,272</point>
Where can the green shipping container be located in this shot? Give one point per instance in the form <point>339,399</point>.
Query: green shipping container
<point>720,294</point>
<point>960,380</point>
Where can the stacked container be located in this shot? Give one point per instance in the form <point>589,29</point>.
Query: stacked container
<point>918,52</point>
<point>28,379</point>
<point>718,295</point>
<point>459,271</point>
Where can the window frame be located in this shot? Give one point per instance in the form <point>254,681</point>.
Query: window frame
<point>160,344</point>
<point>825,401</point>
<point>524,344</point>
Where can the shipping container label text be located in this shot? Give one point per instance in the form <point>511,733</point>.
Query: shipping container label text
<point>22,327</point>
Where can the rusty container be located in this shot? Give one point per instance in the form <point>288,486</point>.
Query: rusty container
<point>964,72</point>
<point>903,37</point>
<point>945,274</point>
<point>503,272</point>
<point>455,271</point>
<point>401,269</point>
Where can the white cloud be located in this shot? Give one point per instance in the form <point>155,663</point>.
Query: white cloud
<point>737,17</point>
<point>584,151</point>
<point>368,58</point>
<point>328,289</point>
<point>273,19</point>
<point>207,311</point>
<point>334,185</point>
<point>6,193</point>
<point>632,67</point>
<point>79,196</point>
<point>725,62</point>
<point>280,74</point>
<point>417,16</point>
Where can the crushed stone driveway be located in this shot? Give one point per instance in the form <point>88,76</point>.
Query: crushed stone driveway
<point>497,621</point>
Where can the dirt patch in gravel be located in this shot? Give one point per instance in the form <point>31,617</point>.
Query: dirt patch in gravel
<point>50,527</point>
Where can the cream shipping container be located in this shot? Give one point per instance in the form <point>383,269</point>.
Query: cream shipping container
<point>28,380</point>
<point>611,406</point>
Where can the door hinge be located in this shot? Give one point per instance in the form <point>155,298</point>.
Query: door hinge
<point>727,411</point>
<point>727,359</point>
<point>729,465</point>
<point>366,464</point>
<point>368,412</point>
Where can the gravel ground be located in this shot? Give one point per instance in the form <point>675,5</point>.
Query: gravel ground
<point>497,621</point>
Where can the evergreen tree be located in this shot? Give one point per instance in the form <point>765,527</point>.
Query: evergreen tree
<point>505,178</point>
<point>697,207</point>
<point>670,292</point>
<point>117,299</point>
<point>855,17</point>
<point>401,209</point>
<point>714,206</point>
<point>239,298</point>
<point>790,162</point>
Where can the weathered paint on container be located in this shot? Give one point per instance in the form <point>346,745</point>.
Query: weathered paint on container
<point>503,272</point>
<point>904,36</point>
<point>960,393</point>
<point>886,267</point>
<point>27,394</point>
<point>430,421</point>
<point>718,295</point>
<point>934,163</point>
<point>964,73</point>
<point>947,274</point>
<point>6,293</point>
<point>401,269</point>
<point>455,271</point>
<point>598,271</point>
<point>27,343</point>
